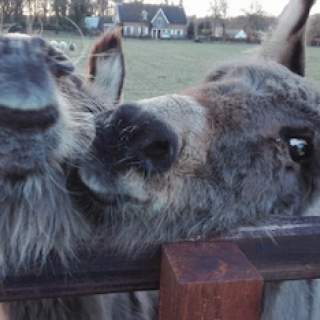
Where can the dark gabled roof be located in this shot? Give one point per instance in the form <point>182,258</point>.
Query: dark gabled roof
<point>107,19</point>
<point>131,12</point>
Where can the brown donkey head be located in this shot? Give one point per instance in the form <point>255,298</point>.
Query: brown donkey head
<point>241,147</point>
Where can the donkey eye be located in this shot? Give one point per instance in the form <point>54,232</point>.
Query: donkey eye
<point>300,149</point>
<point>299,141</point>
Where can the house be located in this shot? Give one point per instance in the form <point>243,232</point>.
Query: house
<point>149,20</point>
<point>232,33</point>
<point>93,23</point>
<point>97,25</point>
<point>241,35</point>
<point>218,32</point>
<point>108,23</point>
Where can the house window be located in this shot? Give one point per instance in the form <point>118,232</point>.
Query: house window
<point>144,15</point>
<point>128,30</point>
<point>159,22</point>
<point>145,31</point>
<point>172,32</point>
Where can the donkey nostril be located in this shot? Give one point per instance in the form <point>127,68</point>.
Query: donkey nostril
<point>28,119</point>
<point>157,149</point>
<point>159,155</point>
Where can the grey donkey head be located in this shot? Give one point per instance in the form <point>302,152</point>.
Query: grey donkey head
<point>45,125</point>
<point>241,147</point>
<point>41,127</point>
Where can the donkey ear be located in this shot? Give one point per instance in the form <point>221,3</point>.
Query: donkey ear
<point>106,66</point>
<point>286,43</point>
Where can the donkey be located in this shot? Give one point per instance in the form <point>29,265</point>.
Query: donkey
<point>240,148</point>
<point>46,124</point>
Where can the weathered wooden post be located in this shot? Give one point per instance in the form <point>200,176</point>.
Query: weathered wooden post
<point>208,281</point>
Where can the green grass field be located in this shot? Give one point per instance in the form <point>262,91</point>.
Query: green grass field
<point>159,67</point>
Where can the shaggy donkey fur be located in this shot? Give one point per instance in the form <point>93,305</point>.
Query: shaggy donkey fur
<point>240,148</point>
<point>46,125</point>
<point>42,129</point>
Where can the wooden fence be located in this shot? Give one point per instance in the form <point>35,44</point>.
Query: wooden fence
<point>221,278</point>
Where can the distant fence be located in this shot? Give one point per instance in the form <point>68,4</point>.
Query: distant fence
<point>223,275</point>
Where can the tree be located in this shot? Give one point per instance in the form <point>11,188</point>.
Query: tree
<point>191,27</point>
<point>33,11</point>
<point>46,6</point>
<point>215,13</point>
<point>224,19</point>
<point>18,11</point>
<point>7,8</point>
<point>79,9</point>
<point>255,18</point>
<point>220,15</point>
<point>57,10</point>
<point>101,7</point>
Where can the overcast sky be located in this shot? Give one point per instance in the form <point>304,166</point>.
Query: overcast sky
<point>201,7</point>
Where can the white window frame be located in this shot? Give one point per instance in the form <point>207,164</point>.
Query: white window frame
<point>145,31</point>
<point>128,30</point>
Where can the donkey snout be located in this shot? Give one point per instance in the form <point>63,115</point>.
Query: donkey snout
<point>143,140</point>
<point>17,119</point>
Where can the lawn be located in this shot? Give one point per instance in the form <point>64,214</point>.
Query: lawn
<point>156,68</point>
<point>160,67</point>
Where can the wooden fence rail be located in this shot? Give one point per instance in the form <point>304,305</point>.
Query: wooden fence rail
<point>289,250</point>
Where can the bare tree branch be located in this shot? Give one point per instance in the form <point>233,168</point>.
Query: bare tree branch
<point>220,14</point>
